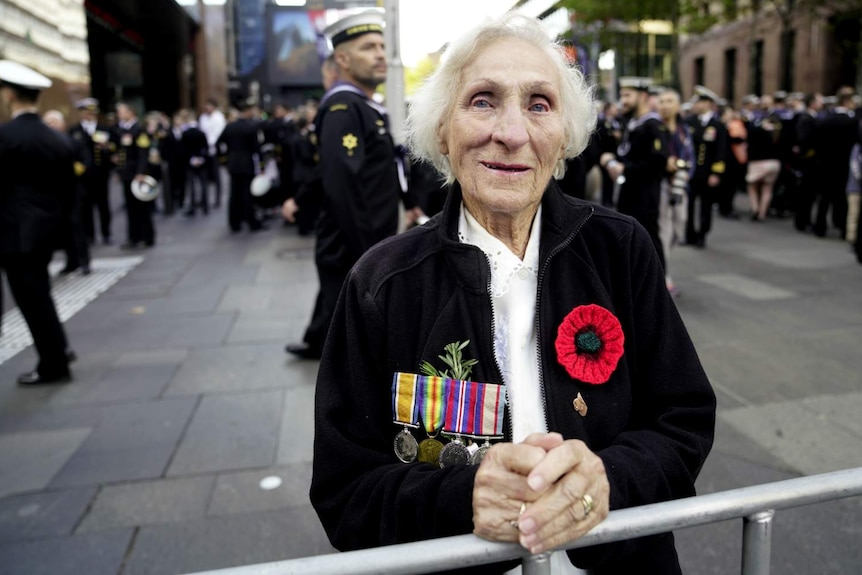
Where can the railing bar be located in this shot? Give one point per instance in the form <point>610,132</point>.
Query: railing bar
<point>469,550</point>
<point>757,543</point>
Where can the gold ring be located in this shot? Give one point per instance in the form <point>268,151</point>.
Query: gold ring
<point>587,502</point>
<point>523,508</point>
<point>514,523</point>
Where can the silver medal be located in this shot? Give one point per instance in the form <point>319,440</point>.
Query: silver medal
<point>477,457</point>
<point>454,453</point>
<point>406,447</point>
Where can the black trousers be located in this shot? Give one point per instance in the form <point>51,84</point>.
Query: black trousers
<point>699,212</point>
<point>832,194</point>
<point>96,198</point>
<point>213,171</point>
<point>177,183</point>
<point>240,208</point>
<point>643,205</point>
<point>140,218</point>
<point>196,179</point>
<point>30,285</point>
<point>331,280</point>
<point>808,184</point>
<point>75,242</point>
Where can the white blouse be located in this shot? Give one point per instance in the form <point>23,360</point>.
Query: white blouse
<point>514,291</point>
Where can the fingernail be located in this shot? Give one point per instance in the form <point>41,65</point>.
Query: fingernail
<point>536,482</point>
<point>528,525</point>
<point>528,540</point>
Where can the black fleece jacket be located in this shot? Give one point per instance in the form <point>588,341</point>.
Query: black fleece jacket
<point>652,422</point>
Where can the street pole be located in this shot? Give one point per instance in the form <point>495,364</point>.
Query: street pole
<point>395,72</point>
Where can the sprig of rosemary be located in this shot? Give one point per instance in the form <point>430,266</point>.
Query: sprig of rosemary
<point>461,368</point>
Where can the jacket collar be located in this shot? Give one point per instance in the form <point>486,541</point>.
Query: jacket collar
<point>562,217</point>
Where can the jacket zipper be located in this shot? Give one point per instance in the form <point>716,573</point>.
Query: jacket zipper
<point>494,347</point>
<point>539,282</point>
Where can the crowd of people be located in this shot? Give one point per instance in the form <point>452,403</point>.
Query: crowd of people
<point>673,164</point>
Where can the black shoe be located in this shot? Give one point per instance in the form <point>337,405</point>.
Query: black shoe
<point>190,214</point>
<point>33,378</point>
<point>128,246</point>
<point>68,269</point>
<point>108,241</point>
<point>149,244</point>
<point>303,350</point>
<point>71,356</point>
<point>85,270</point>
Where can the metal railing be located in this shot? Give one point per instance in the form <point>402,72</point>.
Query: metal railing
<point>756,505</point>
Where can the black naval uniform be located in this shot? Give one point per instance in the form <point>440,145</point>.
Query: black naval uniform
<point>38,175</point>
<point>99,148</point>
<point>75,242</point>
<point>810,166</point>
<point>361,191</point>
<point>133,150</point>
<point>840,130</point>
<point>710,148</point>
<point>644,152</point>
<point>240,142</point>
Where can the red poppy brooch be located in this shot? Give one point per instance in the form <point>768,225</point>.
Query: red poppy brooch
<point>590,343</point>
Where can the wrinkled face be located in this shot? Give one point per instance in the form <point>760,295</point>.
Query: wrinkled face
<point>363,59</point>
<point>630,100</point>
<point>504,135</point>
<point>124,113</point>
<point>668,105</point>
<point>701,107</point>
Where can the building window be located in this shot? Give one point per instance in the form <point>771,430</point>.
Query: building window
<point>757,68</point>
<point>788,46</point>
<point>699,70</point>
<point>730,75</point>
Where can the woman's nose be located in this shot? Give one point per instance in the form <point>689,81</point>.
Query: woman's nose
<point>511,127</point>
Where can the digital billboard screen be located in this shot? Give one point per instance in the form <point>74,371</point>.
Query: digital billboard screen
<point>296,46</point>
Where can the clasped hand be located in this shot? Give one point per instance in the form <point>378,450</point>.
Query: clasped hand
<point>542,493</point>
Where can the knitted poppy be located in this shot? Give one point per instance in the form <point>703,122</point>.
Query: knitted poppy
<point>590,343</point>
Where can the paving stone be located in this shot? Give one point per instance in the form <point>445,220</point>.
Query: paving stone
<point>297,426</point>
<point>114,465</point>
<point>90,554</point>
<point>200,331</point>
<point>149,502</point>
<point>42,514</point>
<point>265,327</point>
<point>804,433</point>
<point>228,541</point>
<point>170,356</point>
<point>28,460</point>
<point>242,493</point>
<point>131,441</point>
<point>230,432</point>
<point>747,287</point>
<point>240,368</point>
<point>247,298</point>
<point>125,383</point>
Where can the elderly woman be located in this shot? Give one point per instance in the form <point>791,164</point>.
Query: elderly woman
<point>552,305</point>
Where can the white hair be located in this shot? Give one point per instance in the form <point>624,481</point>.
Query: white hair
<point>434,100</point>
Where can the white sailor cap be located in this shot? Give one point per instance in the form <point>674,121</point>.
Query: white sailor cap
<point>90,104</point>
<point>19,75</point>
<point>635,83</point>
<point>704,93</point>
<point>750,99</point>
<point>354,26</point>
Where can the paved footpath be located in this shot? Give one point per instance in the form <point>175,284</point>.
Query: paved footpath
<point>184,442</point>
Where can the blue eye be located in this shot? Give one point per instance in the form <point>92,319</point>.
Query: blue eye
<point>481,103</point>
<point>539,107</point>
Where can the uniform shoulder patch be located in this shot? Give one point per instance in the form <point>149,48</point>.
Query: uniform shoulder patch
<point>337,107</point>
<point>657,144</point>
<point>350,143</point>
<point>143,141</point>
<point>80,169</point>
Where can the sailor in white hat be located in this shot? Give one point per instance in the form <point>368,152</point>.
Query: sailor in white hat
<point>357,163</point>
<point>41,164</point>
<point>709,137</point>
<point>641,159</point>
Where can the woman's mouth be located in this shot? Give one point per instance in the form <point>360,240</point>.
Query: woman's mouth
<point>508,168</point>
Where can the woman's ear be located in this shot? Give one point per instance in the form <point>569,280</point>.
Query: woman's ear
<point>442,144</point>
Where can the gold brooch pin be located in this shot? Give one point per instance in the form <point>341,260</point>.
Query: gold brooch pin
<point>580,405</point>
